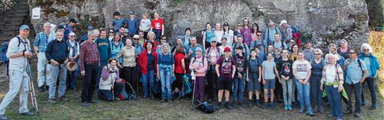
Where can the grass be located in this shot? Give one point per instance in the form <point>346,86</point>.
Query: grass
<point>182,109</point>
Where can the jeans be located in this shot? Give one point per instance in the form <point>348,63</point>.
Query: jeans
<point>18,83</point>
<point>334,98</point>
<point>287,90</point>
<point>165,78</point>
<point>316,93</point>
<point>238,88</point>
<point>199,89</point>
<point>357,91</point>
<point>149,77</point>
<point>59,73</point>
<point>372,89</point>
<point>211,79</point>
<point>130,75</point>
<point>91,78</point>
<point>157,33</point>
<point>108,95</point>
<point>303,95</point>
<point>43,69</point>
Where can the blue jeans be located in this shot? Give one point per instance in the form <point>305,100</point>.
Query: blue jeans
<point>165,78</point>
<point>56,70</point>
<point>316,93</point>
<point>371,86</point>
<point>334,98</point>
<point>149,77</point>
<point>287,91</point>
<point>303,94</point>
<point>238,88</point>
<point>357,91</point>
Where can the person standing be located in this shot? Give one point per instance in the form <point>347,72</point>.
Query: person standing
<point>269,34</point>
<point>286,80</point>
<point>117,22</point>
<point>145,25</point>
<point>225,70</point>
<point>89,67</point>
<point>73,56</point>
<point>228,33</point>
<point>373,68</point>
<point>302,71</point>
<point>148,66</point>
<point>269,73</point>
<point>308,51</point>
<point>208,35</point>
<point>18,52</point>
<point>43,68</point>
<point>70,27</point>
<point>286,32</point>
<point>343,50</point>
<point>165,67</point>
<point>132,23</point>
<point>180,70</point>
<point>57,53</point>
<point>317,70</point>
<point>129,73</point>
<point>157,25</point>
<point>253,78</point>
<point>199,66</point>
<point>239,80</point>
<point>355,76</point>
<point>212,54</point>
<point>104,48</point>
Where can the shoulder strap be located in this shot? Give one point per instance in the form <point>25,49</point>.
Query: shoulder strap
<point>19,39</point>
<point>359,62</point>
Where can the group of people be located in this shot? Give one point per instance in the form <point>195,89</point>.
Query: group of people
<point>270,65</point>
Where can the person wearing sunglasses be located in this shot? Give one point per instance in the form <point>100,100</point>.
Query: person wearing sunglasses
<point>315,93</point>
<point>373,68</point>
<point>111,35</point>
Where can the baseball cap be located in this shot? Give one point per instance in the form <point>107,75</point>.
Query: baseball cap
<point>60,27</point>
<point>199,49</point>
<point>227,49</point>
<point>136,36</point>
<point>132,12</point>
<point>73,20</point>
<point>90,28</point>
<point>23,27</point>
<point>283,21</point>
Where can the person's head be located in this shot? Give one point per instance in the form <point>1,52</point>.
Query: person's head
<point>239,26</point>
<point>72,36</point>
<point>331,58</point>
<point>199,52</point>
<point>72,22</point>
<point>141,34</point>
<point>151,35</point>
<point>353,53</point>
<point>163,39</point>
<point>332,48</point>
<point>59,35</point>
<point>213,42</point>
<point>255,27</point>
<point>292,42</point>
<point>117,37</point>
<point>227,51</point>
<point>24,31</point>
<point>61,28</point>
<point>103,33</point>
<point>128,42</point>
<point>239,39</point>
<point>218,26</point>
<point>318,53</point>
<point>193,40</point>
<point>285,53</point>
<point>226,26</point>
<point>239,50</point>
<point>47,27</point>
<point>188,31</point>
<point>277,37</point>
<point>121,29</point>
<point>270,49</point>
<point>112,62</point>
<point>283,23</point>
<point>136,38</point>
<point>253,53</point>
<point>300,56</point>
<point>257,50</point>
<point>116,15</point>
<point>131,14</point>
<point>246,22</point>
<point>269,56</point>
<point>343,43</point>
<point>111,32</point>
<point>277,52</point>
<point>145,16</point>
<point>179,41</point>
<point>366,48</point>
<point>208,26</point>
<point>295,48</point>
<point>224,40</point>
<point>91,36</point>
<point>97,33</point>
<point>259,35</point>
<point>308,45</point>
<point>156,15</point>
<point>180,49</point>
<point>271,24</point>
<point>149,45</point>
<point>165,48</point>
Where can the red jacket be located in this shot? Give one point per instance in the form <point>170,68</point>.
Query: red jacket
<point>143,61</point>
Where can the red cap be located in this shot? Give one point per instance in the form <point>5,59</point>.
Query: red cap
<point>226,49</point>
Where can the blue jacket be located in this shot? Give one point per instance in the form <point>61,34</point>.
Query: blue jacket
<point>374,63</point>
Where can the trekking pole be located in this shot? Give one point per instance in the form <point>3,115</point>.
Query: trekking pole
<point>32,90</point>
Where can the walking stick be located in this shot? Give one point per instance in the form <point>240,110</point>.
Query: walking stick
<point>32,90</point>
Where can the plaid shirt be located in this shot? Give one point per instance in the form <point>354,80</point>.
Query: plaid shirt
<point>41,41</point>
<point>89,54</point>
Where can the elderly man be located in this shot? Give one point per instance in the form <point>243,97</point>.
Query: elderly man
<point>89,67</point>
<point>18,52</point>
<point>286,32</point>
<point>57,54</point>
<point>191,50</point>
<point>40,44</point>
<point>73,56</point>
<point>269,34</point>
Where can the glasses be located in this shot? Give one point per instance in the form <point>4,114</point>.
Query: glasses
<point>258,35</point>
<point>136,39</point>
<point>366,49</point>
<point>351,53</point>
<point>73,36</point>
<point>317,54</point>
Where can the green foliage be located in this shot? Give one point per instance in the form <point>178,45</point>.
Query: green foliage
<point>375,12</point>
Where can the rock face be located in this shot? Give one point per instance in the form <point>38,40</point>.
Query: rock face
<point>324,21</point>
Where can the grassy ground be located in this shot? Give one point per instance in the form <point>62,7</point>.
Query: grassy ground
<point>182,109</point>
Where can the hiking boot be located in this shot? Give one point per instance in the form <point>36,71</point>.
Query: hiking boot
<point>357,115</point>
<point>235,105</point>
<point>286,107</point>
<point>272,105</point>
<point>227,105</point>
<point>41,89</point>
<point>347,112</point>
<point>85,104</point>
<point>250,103</point>
<point>258,103</point>
<point>243,105</point>
<point>2,117</point>
<point>52,101</point>
<point>93,102</point>
<point>315,109</point>
<point>63,98</point>
<point>218,106</point>
<point>265,106</point>
<point>27,114</point>
<point>373,107</point>
<point>310,113</point>
<point>301,109</point>
<point>322,110</point>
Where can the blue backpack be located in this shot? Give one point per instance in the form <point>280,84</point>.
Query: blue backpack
<point>4,49</point>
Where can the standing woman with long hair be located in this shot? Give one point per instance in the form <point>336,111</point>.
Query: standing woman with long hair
<point>228,33</point>
<point>145,24</point>
<point>116,47</point>
<point>254,30</point>
<point>180,70</point>
<point>246,32</point>
<point>208,34</point>
<point>148,65</point>
<point>129,63</point>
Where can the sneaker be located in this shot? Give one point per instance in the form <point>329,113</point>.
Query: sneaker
<point>52,101</point>
<point>41,89</point>
<point>301,110</point>
<point>265,106</point>
<point>272,105</point>
<point>347,112</point>
<point>286,107</point>
<point>322,110</point>
<point>339,118</point>
<point>93,102</point>
<point>250,103</point>
<point>357,115</point>
<point>258,103</point>
<point>331,115</point>
<point>235,105</point>
<point>373,107</point>
<point>218,106</point>
<point>3,117</point>
<point>85,104</point>
<point>227,105</point>
<point>290,107</point>
<point>243,105</point>
<point>63,98</point>
<point>310,113</point>
<point>27,114</point>
<point>362,103</point>
<point>315,109</point>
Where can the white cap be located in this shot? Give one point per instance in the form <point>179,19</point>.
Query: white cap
<point>72,33</point>
<point>282,22</point>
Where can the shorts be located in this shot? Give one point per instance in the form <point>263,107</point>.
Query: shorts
<point>253,83</point>
<point>224,83</point>
<point>270,84</point>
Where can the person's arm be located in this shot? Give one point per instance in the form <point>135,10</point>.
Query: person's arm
<point>233,71</point>
<point>36,44</point>
<point>183,65</point>
<point>308,76</point>
<point>277,73</point>
<point>217,70</point>
<point>105,73</point>
<point>48,53</point>
<point>364,67</point>
<point>78,51</point>
<point>162,30</point>
<point>247,73</point>
<point>205,65</point>
<point>120,53</point>
<point>82,60</point>
<point>203,40</point>
<point>190,64</point>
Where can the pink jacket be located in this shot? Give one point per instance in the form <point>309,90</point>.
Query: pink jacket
<point>201,67</point>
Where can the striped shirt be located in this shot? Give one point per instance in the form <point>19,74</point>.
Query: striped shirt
<point>89,54</point>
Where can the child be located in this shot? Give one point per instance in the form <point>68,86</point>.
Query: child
<point>240,60</point>
<point>286,80</point>
<point>254,77</point>
<point>118,22</point>
<point>225,70</point>
<point>269,72</point>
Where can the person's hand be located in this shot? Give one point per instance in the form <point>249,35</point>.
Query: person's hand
<point>321,87</point>
<point>66,61</point>
<point>54,62</point>
<point>118,81</point>
<point>247,79</point>
<point>340,88</point>
<point>264,82</point>
<point>346,63</point>
<point>27,54</point>
<point>218,74</point>
<point>239,76</point>
<point>158,75</point>
<point>304,82</point>
<point>259,79</point>
<point>82,73</point>
<point>233,76</point>
<point>36,49</point>
<point>190,51</point>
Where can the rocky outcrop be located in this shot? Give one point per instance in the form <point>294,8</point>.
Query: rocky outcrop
<point>324,21</point>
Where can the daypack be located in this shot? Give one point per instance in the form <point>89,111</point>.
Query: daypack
<point>245,48</point>
<point>267,35</point>
<point>296,35</point>
<point>254,69</point>
<point>226,66</point>
<point>4,49</point>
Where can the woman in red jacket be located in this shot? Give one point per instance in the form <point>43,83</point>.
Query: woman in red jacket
<point>147,62</point>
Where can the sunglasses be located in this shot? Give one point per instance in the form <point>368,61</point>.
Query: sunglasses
<point>366,49</point>
<point>317,54</point>
<point>110,32</point>
<point>136,38</point>
<point>351,53</point>
<point>73,36</point>
<point>258,35</point>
